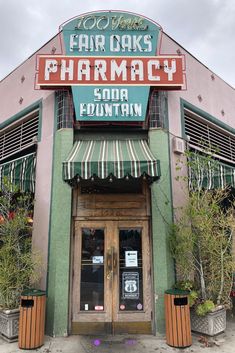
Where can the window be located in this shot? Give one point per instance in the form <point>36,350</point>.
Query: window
<point>157,109</point>
<point>20,136</point>
<point>65,109</point>
<point>203,135</point>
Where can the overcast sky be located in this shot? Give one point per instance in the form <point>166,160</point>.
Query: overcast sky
<point>206,28</point>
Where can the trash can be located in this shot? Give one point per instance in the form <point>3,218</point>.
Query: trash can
<point>177,315</point>
<point>32,319</point>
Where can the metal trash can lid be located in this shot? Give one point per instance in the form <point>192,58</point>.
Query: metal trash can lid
<point>177,292</point>
<point>33,292</point>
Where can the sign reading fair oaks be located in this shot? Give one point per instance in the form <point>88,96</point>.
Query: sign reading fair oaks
<point>110,64</point>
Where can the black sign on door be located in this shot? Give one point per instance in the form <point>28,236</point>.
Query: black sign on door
<point>130,285</point>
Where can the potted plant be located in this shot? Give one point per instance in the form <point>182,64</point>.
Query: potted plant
<point>19,267</point>
<point>201,244</point>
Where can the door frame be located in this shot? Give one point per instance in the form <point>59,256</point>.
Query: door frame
<point>112,319</point>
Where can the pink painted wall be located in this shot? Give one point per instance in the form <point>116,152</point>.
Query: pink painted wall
<point>216,95</point>
<point>11,89</point>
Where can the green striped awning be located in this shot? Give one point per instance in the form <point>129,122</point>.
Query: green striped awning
<point>210,174</point>
<point>102,158</point>
<point>20,172</point>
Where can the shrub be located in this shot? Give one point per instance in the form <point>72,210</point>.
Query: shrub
<point>19,266</point>
<point>201,241</point>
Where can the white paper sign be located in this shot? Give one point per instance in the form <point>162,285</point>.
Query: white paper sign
<point>97,259</point>
<point>131,259</point>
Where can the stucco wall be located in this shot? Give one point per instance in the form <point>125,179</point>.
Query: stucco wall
<point>161,204</point>
<point>216,96</point>
<point>11,90</point>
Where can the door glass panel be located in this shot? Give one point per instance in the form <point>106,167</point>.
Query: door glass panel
<point>92,270</point>
<point>130,270</point>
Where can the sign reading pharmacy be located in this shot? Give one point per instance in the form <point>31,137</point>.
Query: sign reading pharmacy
<point>110,63</point>
<point>154,71</point>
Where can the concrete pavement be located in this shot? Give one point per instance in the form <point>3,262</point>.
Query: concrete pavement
<point>223,343</point>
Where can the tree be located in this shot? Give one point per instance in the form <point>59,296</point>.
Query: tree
<point>19,266</point>
<point>201,238</point>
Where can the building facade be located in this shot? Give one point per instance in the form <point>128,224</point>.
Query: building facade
<point>93,124</point>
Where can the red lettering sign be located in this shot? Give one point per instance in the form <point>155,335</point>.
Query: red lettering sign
<point>162,71</point>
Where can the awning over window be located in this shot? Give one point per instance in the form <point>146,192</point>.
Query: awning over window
<point>104,158</point>
<point>20,172</point>
<point>210,174</point>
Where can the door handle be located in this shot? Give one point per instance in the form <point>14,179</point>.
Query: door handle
<point>114,261</point>
<point>109,270</point>
<point>111,263</point>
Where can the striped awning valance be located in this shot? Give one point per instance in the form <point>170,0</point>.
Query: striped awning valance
<point>210,174</point>
<point>20,172</point>
<point>102,158</point>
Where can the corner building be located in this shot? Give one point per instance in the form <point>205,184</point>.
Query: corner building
<point>93,124</point>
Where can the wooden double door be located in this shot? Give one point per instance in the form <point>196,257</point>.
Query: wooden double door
<point>111,284</point>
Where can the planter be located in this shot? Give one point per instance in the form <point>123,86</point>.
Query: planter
<point>211,324</point>
<point>9,324</point>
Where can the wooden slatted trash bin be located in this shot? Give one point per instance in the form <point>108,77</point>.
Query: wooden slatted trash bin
<point>177,315</point>
<point>32,319</point>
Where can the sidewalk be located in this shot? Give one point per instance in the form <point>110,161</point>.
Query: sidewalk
<point>223,343</point>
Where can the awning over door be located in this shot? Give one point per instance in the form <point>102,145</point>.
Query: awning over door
<point>20,172</point>
<point>104,158</point>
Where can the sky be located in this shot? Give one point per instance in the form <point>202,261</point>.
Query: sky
<point>205,28</point>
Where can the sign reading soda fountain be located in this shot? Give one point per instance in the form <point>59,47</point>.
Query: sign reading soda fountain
<point>110,64</point>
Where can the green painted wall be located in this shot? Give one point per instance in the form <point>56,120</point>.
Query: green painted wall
<point>60,230</point>
<point>162,216</point>
<point>59,241</point>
